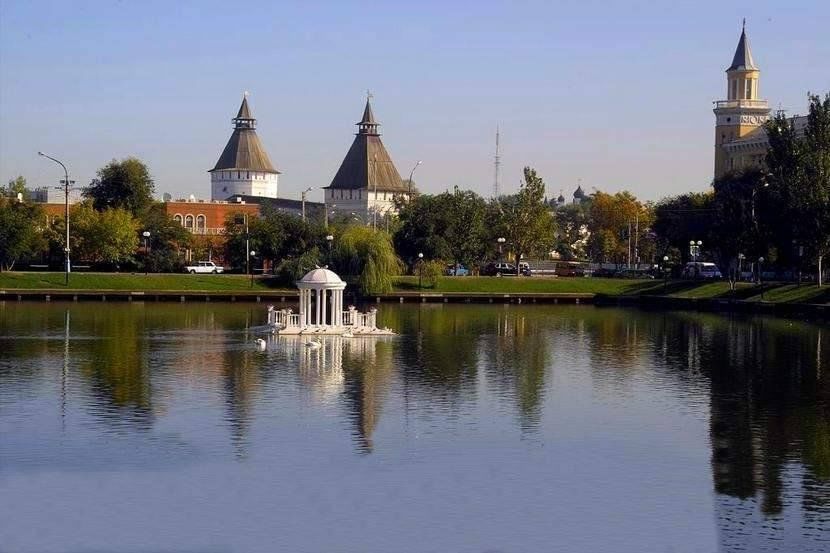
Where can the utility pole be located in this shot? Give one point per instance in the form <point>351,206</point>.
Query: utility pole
<point>66,183</point>
<point>303,193</point>
<point>637,240</point>
<point>496,167</point>
<point>247,246</point>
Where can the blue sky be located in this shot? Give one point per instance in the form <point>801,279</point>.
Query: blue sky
<point>617,94</point>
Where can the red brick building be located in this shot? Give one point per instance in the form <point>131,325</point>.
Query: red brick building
<point>207,217</point>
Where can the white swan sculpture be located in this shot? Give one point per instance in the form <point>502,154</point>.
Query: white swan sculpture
<point>260,344</point>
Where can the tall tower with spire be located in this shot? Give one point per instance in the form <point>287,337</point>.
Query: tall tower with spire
<point>743,112</point>
<point>244,168</point>
<point>367,181</point>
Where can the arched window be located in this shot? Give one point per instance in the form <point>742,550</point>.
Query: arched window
<point>178,218</point>
<point>188,222</point>
<point>200,223</point>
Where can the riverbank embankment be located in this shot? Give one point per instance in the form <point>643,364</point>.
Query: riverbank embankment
<point>775,298</point>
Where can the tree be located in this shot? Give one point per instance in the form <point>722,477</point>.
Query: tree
<point>21,233</point>
<point>124,184</point>
<point>572,230</point>
<point>368,256</point>
<point>622,217</point>
<point>735,216</point>
<point>524,219</point>
<point>679,219</point>
<point>109,236</point>
<point>799,176</point>
<point>465,232</point>
<point>448,226</point>
<point>275,236</point>
<point>603,245</point>
<point>422,227</point>
<point>17,186</point>
<point>167,239</point>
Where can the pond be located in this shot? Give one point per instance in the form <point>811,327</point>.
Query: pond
<point>135,427</point>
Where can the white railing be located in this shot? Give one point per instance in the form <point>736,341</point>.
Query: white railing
<point>352,317</point>
<point>283,318</point>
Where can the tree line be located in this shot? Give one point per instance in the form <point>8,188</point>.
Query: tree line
<point>779,213</point>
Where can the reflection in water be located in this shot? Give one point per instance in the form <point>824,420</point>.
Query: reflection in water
<point>757,385</point>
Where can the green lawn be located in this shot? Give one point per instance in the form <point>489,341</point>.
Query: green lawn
<point>788,293</point>
<point>516,285</point>
<point>132,281</point>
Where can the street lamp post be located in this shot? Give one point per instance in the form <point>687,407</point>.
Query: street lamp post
<point>763,184</point>
<point>329,239</point>
<point>665,273</point>
<point>501,241</point>
<point>68,266</point>
<point>420,269</point>
<point>146,235</point>
<point>410,178</point>
<point>302,194</point>
<point>799,251</point>
<point>760,263</point>
<point>333,206</point>
<point>253,253</point>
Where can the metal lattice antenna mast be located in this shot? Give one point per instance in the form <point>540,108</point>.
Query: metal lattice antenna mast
<point>496,167</point>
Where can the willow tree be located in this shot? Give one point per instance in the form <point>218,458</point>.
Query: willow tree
<point>368,257</point>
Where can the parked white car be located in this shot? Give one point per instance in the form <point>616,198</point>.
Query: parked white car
<point>204,267</point>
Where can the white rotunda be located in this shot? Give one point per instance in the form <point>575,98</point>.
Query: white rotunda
<point>321,309</point>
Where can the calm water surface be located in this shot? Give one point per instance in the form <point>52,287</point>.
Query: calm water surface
<point>145,428</point>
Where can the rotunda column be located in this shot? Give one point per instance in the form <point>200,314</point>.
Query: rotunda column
<point>317,310</point>
<point>323,306</point>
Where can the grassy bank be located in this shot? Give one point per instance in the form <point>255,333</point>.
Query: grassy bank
<point>783,293</point>
<point>518,285</point>
<point>135,282</point>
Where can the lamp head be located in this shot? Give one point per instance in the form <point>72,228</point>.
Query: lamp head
<point>41,154</point>
<point>420,256</point>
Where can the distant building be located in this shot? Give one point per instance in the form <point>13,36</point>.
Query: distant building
<point>741,141</point>
<point>579,195</point>
<point>54,195</point>
<point>367,181</point>
<point>207,217</point>
<point>313,210</point>
<point>244,167</point>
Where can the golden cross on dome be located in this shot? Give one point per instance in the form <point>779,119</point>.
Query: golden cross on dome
<point>369,94</point>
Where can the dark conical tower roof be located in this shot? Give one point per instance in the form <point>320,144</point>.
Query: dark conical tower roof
<point>742,60</point>
<point>244,111</point>
<point>367,163</point>
<point>244,150</point>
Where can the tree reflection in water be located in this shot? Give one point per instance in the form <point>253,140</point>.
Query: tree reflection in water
<point>763,380</point>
